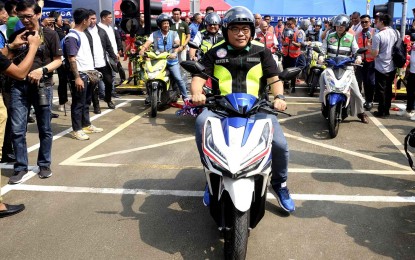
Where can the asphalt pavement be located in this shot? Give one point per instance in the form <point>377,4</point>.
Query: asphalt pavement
<point>135,191</point>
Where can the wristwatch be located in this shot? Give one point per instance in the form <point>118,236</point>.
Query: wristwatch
<point>45,70</point>
<point>279,96</point>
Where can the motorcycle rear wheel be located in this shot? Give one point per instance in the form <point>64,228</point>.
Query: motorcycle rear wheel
<point>334,122</point>
<point>236,236</point>
<point>154,103</point>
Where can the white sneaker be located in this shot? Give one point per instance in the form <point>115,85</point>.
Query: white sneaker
<point>92,129</point>
<point>79,135</point>
<point>412,118</point>
<point>61,108</point>
<point>406,113</point>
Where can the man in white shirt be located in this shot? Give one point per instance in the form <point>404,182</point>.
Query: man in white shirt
<point>356,26</point>
<point>77,50</point>
<point>102,49</point>
<point>106,24</point>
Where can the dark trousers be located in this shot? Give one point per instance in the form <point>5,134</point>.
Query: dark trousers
<point>410,92</point>
<point>368,77</point>
<point>121,71</point>
<point>107,79</point>
<point>63,84</point>
<point>383,90</point>
<point>80,104</point>
<point>288,62</point>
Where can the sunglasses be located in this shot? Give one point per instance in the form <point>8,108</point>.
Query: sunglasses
<point>364,21</point>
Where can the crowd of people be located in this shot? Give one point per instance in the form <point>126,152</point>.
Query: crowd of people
<point>83,54</point>
<point>86,55</point>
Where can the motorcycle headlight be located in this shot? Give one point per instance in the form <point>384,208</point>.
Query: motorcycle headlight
<point>257,153</point>
<point>330,82</point>
<point>214,154</point>
<point>153,74</point>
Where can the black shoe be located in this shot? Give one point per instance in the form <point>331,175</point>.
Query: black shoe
<point>31,119</point>
<point>101,97</point>
<point>53,115</point>
<point>111,105</point>
<point>44,172</point>
<point>17,177</point>
<point>364,118</point>
<point>380,114</point>
<point>11,210</point>
<point>97,110</point>
<point>115,95</point>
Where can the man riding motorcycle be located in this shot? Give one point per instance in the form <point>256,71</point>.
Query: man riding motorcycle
<point>343,43</point>
<point>245,66</point>
<point>163,40</point>
<point>207,37</point>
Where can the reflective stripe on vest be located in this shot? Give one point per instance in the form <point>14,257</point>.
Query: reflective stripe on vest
<point>267,39</point>
<point>252,83</point>
<point>291,50</point>
<point>367,56</point>
<point>339,47</point>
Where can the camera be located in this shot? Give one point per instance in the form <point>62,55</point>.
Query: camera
<point>29,33</point>
<point>43,98</point>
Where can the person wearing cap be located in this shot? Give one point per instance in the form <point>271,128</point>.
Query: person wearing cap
<point>247,61</point>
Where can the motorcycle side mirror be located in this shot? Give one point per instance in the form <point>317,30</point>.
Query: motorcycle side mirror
<point>361,50</point>
<point>289,73</point>
<point>175,46</point>
<point>316,49</point>
<point>193,45</point>
<point>138,43</point>
<point>257,39</point>
<point>193,67</point>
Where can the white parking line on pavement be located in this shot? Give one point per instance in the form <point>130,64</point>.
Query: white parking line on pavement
<point>185,193</point>
<point>74,158</point>
<point>64,132</point>
<point>338,149</point>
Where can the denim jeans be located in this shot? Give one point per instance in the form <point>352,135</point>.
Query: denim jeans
<point>280,152</point>
<point>23,95</point>
<point>80,104</point>
<point>175,72</point>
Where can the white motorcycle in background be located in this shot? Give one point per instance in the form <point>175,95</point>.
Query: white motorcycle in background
<point>337,81</point>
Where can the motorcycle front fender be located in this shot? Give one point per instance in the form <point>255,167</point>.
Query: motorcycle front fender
<point>154,85</point>
<point>240,191</point>
<point>335,98</point>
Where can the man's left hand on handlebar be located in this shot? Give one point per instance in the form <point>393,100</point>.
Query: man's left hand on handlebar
<point>358,60</point>
<point>280,105</point>
<point>198,99</point>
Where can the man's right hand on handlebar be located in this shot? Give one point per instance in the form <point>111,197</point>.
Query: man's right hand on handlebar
<point>198,99</point>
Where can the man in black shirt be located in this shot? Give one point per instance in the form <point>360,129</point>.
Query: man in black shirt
<point>250,62</point>
<point>34,90</point>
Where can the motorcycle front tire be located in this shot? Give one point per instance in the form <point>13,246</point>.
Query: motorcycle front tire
<point>236,233</point>
<point>334,122</point>
<point>154,103</point>
<point>311,85</point>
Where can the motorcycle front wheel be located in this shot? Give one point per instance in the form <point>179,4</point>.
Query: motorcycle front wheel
<point>311,85</point>
<point>334,121</point>
<point>154,103</point>
<point>236,233</point>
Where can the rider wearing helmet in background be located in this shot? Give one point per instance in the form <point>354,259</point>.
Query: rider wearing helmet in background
<point>209,36</point>
<point>342,43</point>
<point>242,65</point>
<point>314,35</point>
<point>328,29</point>
<point>163,40</point>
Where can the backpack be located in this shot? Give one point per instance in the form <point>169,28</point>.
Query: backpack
<point>399,52</point>
<point>410,140</point>
<point>62,43</point>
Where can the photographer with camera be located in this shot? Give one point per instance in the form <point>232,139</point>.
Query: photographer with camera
<point>34,90</point>
<point>16,72</point>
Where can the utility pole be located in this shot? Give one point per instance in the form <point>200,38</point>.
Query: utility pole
<point>195,6</point>
<point>404,10</point>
